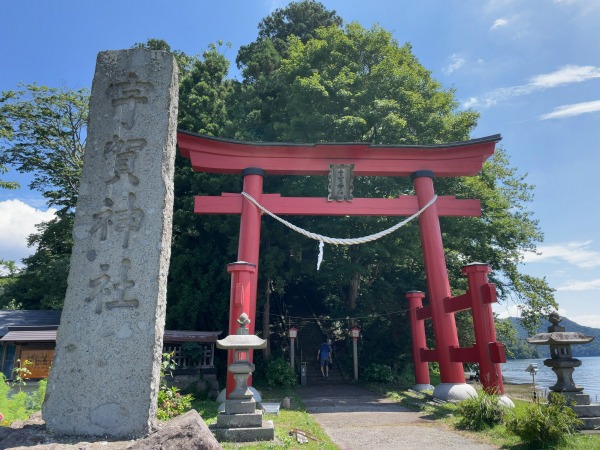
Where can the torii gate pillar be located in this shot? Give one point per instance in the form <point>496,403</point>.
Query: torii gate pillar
<point>244,279</point>
<point>452,373</point>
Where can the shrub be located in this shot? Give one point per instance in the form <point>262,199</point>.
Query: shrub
<point>194,351</point>
<point>480,412</point>
<point>280,373</point>
<point>171,402</point>
<point>20,405</point>
<point>544,424</point>
<point>379,373</point>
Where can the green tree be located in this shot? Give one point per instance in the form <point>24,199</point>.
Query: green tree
<point>349,83</point>
<point>7,184</point>
<point>202,246</point>
<point>43,134</point>
<point>45,137</point>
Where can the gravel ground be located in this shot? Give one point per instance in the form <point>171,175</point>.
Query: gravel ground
<point>355,418</point>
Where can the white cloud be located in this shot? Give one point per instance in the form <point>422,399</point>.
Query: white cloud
<point>506,310</point>
<point>499,23</point>
<point>576,253</point>
<point>17,221</point>
<point>510,309</point>
<point>580,285</point>
<point>568,74</point>
<point>565,75</point>
<point>575,109</point>
<point>456,62</point>
<point>589,320</point>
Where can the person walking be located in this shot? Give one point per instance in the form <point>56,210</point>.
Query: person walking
<point>325,357</point>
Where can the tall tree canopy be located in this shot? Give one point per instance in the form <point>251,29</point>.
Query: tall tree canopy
<point>310,78</point>
<point>44,135</point>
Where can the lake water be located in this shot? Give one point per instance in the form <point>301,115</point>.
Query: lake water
<point>586,375</point>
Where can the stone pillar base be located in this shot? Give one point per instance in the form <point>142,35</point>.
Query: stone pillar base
<point>266,432</point>
<point>422,387</point>
<point>504,400</point>
<point>454,392</point>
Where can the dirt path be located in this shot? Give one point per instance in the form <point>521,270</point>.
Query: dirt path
<point>355,418</point>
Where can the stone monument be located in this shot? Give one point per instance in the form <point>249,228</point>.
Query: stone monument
<point>105,374</point>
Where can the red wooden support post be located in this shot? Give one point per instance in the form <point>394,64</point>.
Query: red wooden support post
<point>249,241</point>
<point>248,251</point>
<point>485,331</point>
<point>239,302</point>
<point>438,284</point>
<point>417,327</point>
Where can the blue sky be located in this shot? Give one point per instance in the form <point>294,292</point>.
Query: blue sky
<point>531,68</point>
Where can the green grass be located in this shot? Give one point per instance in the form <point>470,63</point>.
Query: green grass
<point>497,435</point>
<point>294,418</point>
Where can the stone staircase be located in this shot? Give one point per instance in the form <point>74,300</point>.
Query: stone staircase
<point>310,338</point>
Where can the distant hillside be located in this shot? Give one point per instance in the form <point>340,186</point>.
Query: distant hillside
<point>591,349</point>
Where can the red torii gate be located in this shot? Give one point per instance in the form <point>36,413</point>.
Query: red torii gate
<point>421,162</point>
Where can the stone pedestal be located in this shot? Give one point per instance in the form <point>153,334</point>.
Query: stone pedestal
<point>242,422</point>
<point>589,415</point>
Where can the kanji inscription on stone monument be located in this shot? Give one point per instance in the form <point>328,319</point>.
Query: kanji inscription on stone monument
<point>105,374</point>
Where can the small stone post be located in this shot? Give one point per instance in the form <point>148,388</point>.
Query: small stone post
<point>105,374</point>
<point>293,333</point>
<point>355,333</point>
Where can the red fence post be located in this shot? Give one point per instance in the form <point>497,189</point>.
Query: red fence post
<point>490,353</point>
<point>419,341</point>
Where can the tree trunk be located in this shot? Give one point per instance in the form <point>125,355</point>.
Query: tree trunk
<point>353,293</point>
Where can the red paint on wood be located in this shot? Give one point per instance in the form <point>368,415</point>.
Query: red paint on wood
<point>302,206</point>
<point>419,341</point>
<point>224,156</point>
<point>438,285</point>
<point>424,313</point>
<point>488,293</point>
<point>428,355</point>
<point>463,354</point>
<point>241,274</point>
<point>460,303</point>
<point>485,329</point>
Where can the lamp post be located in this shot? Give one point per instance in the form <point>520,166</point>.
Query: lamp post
<point>533,369</point>
<point>355,333</point>
<point>293,334</point>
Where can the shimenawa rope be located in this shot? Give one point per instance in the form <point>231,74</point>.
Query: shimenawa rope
<point>338,241</point>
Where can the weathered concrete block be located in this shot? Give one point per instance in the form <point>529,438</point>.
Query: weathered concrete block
<point>240,406</point>
<point>239,420</point>
<point>589,423</point>
<point>105,374</point>
<point>586,410</point>
<point>264,433</point>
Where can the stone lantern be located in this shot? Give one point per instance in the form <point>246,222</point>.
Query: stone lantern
<point>562,362</point>
<point>241,421</point>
